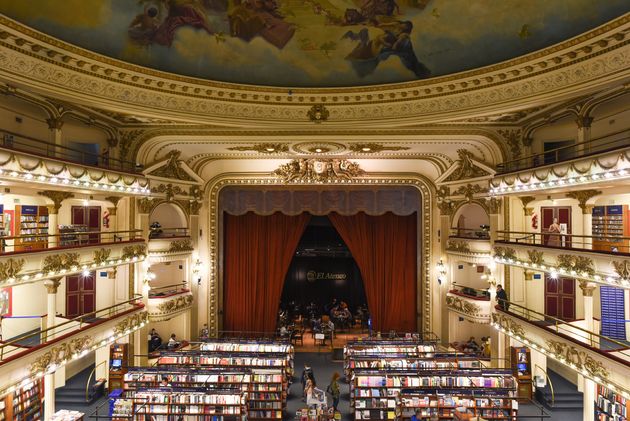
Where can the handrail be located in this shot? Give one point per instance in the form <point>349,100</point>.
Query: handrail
<point>87,385</point>
<point>16,141</point>
<point>476,233</point>
<point>594,146</point>
<point>553,395</point>
<point>174,288</point>
<point>480,294</point>
<point>571,241</point>
<point>54,330</point>
<point>158,233</point>
<point>558,323</point>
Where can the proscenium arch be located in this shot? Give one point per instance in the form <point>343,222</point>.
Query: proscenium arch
<point>425,256</point>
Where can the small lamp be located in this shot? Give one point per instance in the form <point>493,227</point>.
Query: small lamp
<point>441,272</point>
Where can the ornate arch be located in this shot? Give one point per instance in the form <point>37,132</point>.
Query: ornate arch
<point>425,188</point>
<point>459,205</point>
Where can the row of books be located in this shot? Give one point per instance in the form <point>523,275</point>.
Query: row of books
<point>454,401</point>
<point>176,397</point>
<point>248,347</point>
<point>189,359</point>
<point>435,381</point>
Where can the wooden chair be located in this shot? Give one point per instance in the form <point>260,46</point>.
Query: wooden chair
<point>297,335</point>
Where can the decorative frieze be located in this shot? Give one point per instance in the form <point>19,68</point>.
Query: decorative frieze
<point>372,147</point>
<point>508,324</point>
<point>570,354</point>
<point>318,170</point>
<point>458,246</point>
<point>60,354</point>
<point>318,113</point>
<point>179,246</point>
<point>130,323</point>
<point>264,148</point>
<point>505,252</point>
<point>10,268</point>
<point>574,264</point>
<point>60,262</point>
<point>463,306</point>
<point>101,256</point>
<point>172,306</point>
<point>535,257</point>
<point>129,252</point>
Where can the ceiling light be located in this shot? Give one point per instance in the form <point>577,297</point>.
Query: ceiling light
<point>366,149</point>
<point>318,150</point>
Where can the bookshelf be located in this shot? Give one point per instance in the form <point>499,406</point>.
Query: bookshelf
<point>444,406</point>
<point>25,404</point>
<point>149,377</point>
<point>610,221</point>
<point>521,362</point>
<point>118,365</point>
<point>187,404</point>
<point>610,406</point>
<point>31,220</point>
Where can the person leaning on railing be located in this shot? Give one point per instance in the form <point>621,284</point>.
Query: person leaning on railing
<point>502,298</point>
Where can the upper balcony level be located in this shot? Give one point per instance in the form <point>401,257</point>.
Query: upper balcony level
<point>29,160</point>
<point>596,162</point>
<point>169,243</point>
<point>602,359</point>
<point>470,303</point>
<point>469,245</point>
<point>33,258</point>
<point>168,301</point>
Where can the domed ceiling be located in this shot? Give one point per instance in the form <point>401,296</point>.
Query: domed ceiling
<point>313,43</point>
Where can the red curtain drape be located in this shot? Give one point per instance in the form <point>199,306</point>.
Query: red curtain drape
<point>384,248</point>
<point>258,252</point>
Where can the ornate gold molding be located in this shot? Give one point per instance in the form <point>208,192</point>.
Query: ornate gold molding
<point>508,324</point>
<point>113,200</point>
<point>169,189</point>
<point>446,207</point>
<point>580,359</point>
<point>101,256</point>
<point>131,322</point>
<point>373,147</point>
<point>579,264</point>
<point>57,197</point>
<point>10,268</point>
<point>172,169</point>
<point>181,246</point>
<point>494,205</point>
<point>469,190</point>
<point>60,354</point>
<point>58,262</point>
<point>318,113</point>
<point>505,252</point>
<point>622,269</point>
<point>129,252</point>
<point>52,285</point>
<point>526,200</point>
<point>458,246</point>
<point>587,288</point>
<point>146,204</point>
<point>582,196</point>
<point>265,148</point>
<point>177,304</point>
<point>535,257</point>
<point>318,170</point>
<point>466,167</point>
<point>463,306</point>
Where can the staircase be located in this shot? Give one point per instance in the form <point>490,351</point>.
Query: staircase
<point>72,395</point>
<point>567,398</point>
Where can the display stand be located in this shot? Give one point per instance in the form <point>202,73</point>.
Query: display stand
<point>31,221</point>
<point>521,362</point>
<point>118,365</point>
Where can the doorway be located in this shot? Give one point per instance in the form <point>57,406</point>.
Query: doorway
<point>563,214</point>
<point>90,216</point>
<point>80,295</point>
<point>560,298</point>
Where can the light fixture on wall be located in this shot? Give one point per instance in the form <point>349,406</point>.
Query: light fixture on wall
<point>197,266</point>
<point>441,272</point>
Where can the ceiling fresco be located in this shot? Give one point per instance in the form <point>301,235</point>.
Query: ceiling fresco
<point>313,43</point>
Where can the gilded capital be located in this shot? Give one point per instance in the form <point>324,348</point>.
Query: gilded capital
<point>52,285</point>
<point>494,205</point>
<point>587,288</point>
<point>113,199</point>
<point>55,123</point>
<point>583,196</point>
<point>112,211</point>
<point>57,197</point>
<point>526,200</point>
<point>446,207</point>
<point>584,122</point>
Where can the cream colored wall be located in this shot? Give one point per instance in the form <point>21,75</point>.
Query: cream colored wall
<point>27,300</point>
<point>463,330</point>
<point>169,216</point>
<point>168,273</point>
<point>467,276</point>
<point>33,122</point>
<point>179,325</point>
<point>563,129</point>
<point>611,117</point>
<point>470,216</point>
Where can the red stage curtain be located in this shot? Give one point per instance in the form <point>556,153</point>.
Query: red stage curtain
<point>384,248</point>
<point>258,252</point>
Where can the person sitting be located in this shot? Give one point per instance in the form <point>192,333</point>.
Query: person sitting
<point>472,345</point>
<point>204,334</point>
<point>155,341</point>
<point>173,342</point>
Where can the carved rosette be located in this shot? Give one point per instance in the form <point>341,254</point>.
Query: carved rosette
<point>60,354</point>
<point>10,268</point>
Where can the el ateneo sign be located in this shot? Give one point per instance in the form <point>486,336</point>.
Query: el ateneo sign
<point>312,276</point>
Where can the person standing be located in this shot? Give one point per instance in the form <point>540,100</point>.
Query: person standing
<point>306,373</point>
<point>333,389</point>
<point>554,234</point>
<point>502,298</point>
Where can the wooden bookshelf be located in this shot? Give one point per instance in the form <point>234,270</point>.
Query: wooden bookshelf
<point>31,220</point>
<point>608,223</point>
<point>610,406</point>
<point>444,406</point>
<point>118,365</point>
<point>521,362</point>
<point>25,404</point>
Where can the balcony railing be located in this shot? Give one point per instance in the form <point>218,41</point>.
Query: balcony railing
<point>566,153</point>
<point>482,233</point>
<point>570,330</point>
<point>73,239</point>
<point>168,290</point>
<point>468,292</point>
<point>31,145</point>
<point>169,233</point>
<point>12,349</point>
<point>613,244</point>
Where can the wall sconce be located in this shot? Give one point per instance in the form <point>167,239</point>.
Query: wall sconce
<point>441,272</point>
<point>197,266</point>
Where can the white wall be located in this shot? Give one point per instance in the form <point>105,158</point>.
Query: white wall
<point>169,216</point>
<point>28,300</point>
<point>471,216</point>
<point>168,273</point>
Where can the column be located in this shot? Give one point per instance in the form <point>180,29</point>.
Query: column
<point>587,291</point>
<point>501,343</point>
<point>589,399</point>
<point>587,226</point>
<point>583,134</point>
<point>494,210</point>
<point>446,210</point>
<point>144,207</point>
<point>113,219</point>
<point>54,126</point>
<point>49,379</point>
<point>583,196</point>
<point>53,213</point>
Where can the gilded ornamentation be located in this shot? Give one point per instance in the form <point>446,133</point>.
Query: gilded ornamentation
<point>177,304</point>
<point>446,207</point>
<point>587,288</point>
<point>505,252</point>
<point>169,190</point>
<point>580,359</point>
<point>318,113</point>
<point>192,207</point>
<point>535,257</point>
<point>10,268</point>
<point>622,269</point>
<point>60,354</point>
<point>128,140</point>
<point>463,306</point>
<point>512,138</point>
<point>526,200</point>
<point>131,322</point>
<point>469,190</point>
<point>458,246</point>
<point>181,245</point>
<point>466,167</point>
<point>57,197</point>
<point>52,285</point>
<point>129,252</point>
<point>266,148</point>
<point>58,262</point>
<point>579,264</point>
<point>582,196</point>
<point>508,324</point>
<point>146,204</point>
<point>372,147</point>
<point>318,170</point>
<point>114,200</point>
<point>172,169</point>
<point>494,205</point>
<point>101,256</point>
<point>443,192</point>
